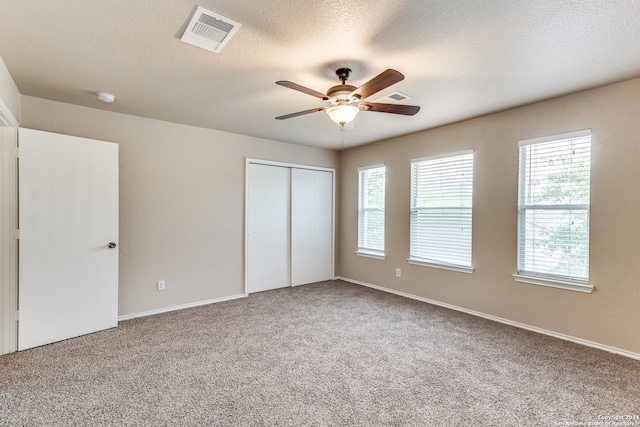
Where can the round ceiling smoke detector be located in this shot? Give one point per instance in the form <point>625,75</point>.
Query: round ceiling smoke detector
<point>106,97</point>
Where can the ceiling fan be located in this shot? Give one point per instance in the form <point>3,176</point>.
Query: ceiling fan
<point>346,99</point>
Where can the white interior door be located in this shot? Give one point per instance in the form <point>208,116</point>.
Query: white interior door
<point>268,198</point>
<point>68,216</point>
<point>311,226</point>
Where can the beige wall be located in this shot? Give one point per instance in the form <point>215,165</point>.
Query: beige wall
<point>182,197</point>
<point>181,200</point>
<point>610,315</point>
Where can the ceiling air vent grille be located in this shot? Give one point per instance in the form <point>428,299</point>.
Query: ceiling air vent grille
<point>209,30</point>
<point>393,98</point>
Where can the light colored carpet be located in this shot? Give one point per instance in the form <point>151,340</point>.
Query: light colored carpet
<point>327,354</point>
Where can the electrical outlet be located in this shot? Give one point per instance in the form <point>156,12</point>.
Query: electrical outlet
<point>161,285</point>
<point>398,272</point>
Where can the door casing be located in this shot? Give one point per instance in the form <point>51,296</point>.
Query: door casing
<point>8,225</point>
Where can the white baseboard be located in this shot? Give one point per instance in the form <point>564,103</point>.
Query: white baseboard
<point>615,350</point>
<point>178,307</point>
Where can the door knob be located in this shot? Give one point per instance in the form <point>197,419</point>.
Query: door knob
<point>111,245</point>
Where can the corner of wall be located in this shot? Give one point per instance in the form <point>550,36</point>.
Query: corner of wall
<point>9,98</point>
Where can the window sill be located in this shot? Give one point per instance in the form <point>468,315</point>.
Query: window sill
<point>457,268</point>
<point>375,255</point>
<point>555,283</point>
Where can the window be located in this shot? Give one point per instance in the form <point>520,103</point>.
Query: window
<point>441,210</point>
<point>371,182</point>
<point>553,211</point>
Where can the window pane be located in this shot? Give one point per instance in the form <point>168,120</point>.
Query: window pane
<point>442,235</point>
<point>373,236</point>
<point>553,213</point>
<point>441,210</point>
<point>557,242</point>
<point>371,209</point>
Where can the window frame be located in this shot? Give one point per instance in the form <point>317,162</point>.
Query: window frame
<point>362,249</point>
<point>417,260</point>
<point>546,278</point>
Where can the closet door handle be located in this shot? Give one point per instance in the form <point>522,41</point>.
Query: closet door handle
<point>112,245</point>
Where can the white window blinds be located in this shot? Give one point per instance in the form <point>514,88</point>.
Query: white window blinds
<point>441,210</point>
<point>371,203</point>
<point>553,206</point>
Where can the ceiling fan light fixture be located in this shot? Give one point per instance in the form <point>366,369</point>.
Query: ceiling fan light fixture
<point>342,113</point>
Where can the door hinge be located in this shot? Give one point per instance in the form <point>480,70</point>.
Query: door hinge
<point>16,316</point>
<point>17,235</point>
<point>17,152</point>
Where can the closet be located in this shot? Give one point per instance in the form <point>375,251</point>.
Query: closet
<point>289,225</point>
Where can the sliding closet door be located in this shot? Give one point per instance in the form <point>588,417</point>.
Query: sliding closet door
<point>268,196</point>
<point>289,226</point>
<point>311,226</point>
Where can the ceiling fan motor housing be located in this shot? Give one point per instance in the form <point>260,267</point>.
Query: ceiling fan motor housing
<point>341,92</point>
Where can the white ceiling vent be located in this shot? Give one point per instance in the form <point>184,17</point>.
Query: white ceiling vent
<point>393,98</point>
<point>209,30</point>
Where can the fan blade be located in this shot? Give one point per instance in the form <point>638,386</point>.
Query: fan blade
<point>302,89</point>
<point>299,113</point>
<point>376,84</point>
<point>407,110</point>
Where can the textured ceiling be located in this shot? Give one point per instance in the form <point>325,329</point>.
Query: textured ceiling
<point>460,59</point>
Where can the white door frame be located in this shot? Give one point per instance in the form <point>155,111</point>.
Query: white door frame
<point>295,166</point>
<point>8,241</point>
